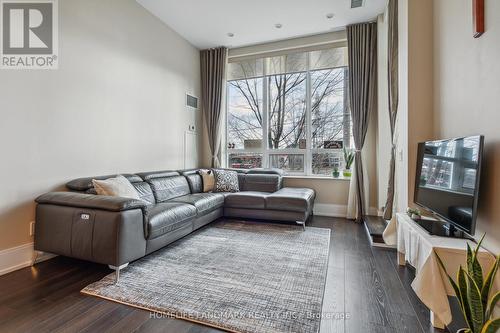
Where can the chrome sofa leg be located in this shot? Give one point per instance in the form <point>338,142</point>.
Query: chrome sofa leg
<point>303,224</point>
<point>117,271</point>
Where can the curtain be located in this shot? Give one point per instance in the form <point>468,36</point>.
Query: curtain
<point>362,45</point>
<point>393,72</point>
<point>213,66</point>
<point>352,207</point>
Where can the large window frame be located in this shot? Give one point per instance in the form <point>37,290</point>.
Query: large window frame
<point>265,151</point>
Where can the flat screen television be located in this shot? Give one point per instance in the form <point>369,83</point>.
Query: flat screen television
<point>447,180</point>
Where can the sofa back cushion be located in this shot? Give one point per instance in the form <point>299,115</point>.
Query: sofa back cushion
<point>194,180</point>
<point>167,188</point>
<point>262,182</point>
<point>85,184</point>
<point>263,171</point>
<point>146,176</point>
<point>145,192</point>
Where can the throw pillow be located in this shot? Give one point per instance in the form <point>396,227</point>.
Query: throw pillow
<point>207,176</point>
<point>226,181</point>
<point>117,187</point>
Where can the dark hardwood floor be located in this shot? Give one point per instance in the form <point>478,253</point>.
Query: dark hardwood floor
<point>366,291</point>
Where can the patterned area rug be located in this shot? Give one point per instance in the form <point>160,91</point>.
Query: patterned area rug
<point>232,275</point>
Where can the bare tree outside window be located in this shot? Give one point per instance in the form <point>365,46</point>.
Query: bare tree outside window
<point>286,110</point>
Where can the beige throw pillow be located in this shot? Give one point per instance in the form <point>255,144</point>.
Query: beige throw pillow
<point>208,180</point>
<point>117,187</point>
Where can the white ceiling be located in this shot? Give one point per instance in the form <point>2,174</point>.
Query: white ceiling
<point>206,23</point>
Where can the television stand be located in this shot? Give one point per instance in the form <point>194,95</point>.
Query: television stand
<point>419,249</point>
<point>440,228</point>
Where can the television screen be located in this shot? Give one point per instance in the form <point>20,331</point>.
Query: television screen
<point>447,179</point>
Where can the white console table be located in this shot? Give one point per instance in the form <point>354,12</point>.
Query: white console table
<point>417,247</point>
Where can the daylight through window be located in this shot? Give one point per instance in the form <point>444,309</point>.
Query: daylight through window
<point>289,112</point>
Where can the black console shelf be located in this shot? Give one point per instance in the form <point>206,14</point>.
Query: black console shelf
<point>441,229</point>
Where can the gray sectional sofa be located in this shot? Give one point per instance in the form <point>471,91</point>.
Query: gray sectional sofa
<point>115,230</point>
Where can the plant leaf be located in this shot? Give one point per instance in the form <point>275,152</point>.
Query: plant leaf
<point>491,306</point>
<point>477,270</point>
<point>478,246</point>
<point>464,298</point>
<point>488,282</point>
<point>464,330</point>
<point>470,257</point>
<point>475,303</point>
<point>473,267</point>
<point>477,273</point>
<point>491,326</point>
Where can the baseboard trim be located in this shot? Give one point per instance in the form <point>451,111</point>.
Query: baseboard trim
<point>333,210</point>
<point>20,257</point>
<point>330,210</point>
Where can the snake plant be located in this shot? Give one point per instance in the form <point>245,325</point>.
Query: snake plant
<point>348,158</point>
<point>473,290</point>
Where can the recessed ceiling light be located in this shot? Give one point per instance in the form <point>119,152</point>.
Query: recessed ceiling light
<point>230,34</point>
<point>329,16</point>
<point>278,25</point>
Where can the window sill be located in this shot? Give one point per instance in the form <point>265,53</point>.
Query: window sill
<point>341,178</point>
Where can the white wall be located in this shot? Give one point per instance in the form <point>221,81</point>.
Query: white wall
<point>467,91</point>
<point>415,111</point>
<point>116,104</point>
<point>449,88</point>
<point>401,135</point>
<point>384,140</point>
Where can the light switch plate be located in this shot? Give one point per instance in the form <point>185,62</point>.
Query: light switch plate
<point>32,228</point>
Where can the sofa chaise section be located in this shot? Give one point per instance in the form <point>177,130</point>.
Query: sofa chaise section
<point>263,197</point>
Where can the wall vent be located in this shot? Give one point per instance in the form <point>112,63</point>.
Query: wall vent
<point>356,3</point>
<point>191,101</point>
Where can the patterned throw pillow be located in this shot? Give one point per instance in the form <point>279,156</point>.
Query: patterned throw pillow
<point>226,181</point>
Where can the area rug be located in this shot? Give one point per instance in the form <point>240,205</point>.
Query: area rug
<point>235,276</point>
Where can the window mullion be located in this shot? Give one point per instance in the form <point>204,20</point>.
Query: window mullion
<point>225,149</point>
<point>308,155</point>
<point>265,118</point>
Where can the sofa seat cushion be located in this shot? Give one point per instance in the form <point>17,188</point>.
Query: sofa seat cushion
<point>291,199</point>
<point>247,199</point>
<point>204,202</point>
<point>166,217</point>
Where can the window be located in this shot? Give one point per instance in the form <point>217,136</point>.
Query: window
<point>289,112</point>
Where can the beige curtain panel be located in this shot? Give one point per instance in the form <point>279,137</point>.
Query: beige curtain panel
<point>213,68</point>
<point>362,42</point>
<point>393,72</point>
